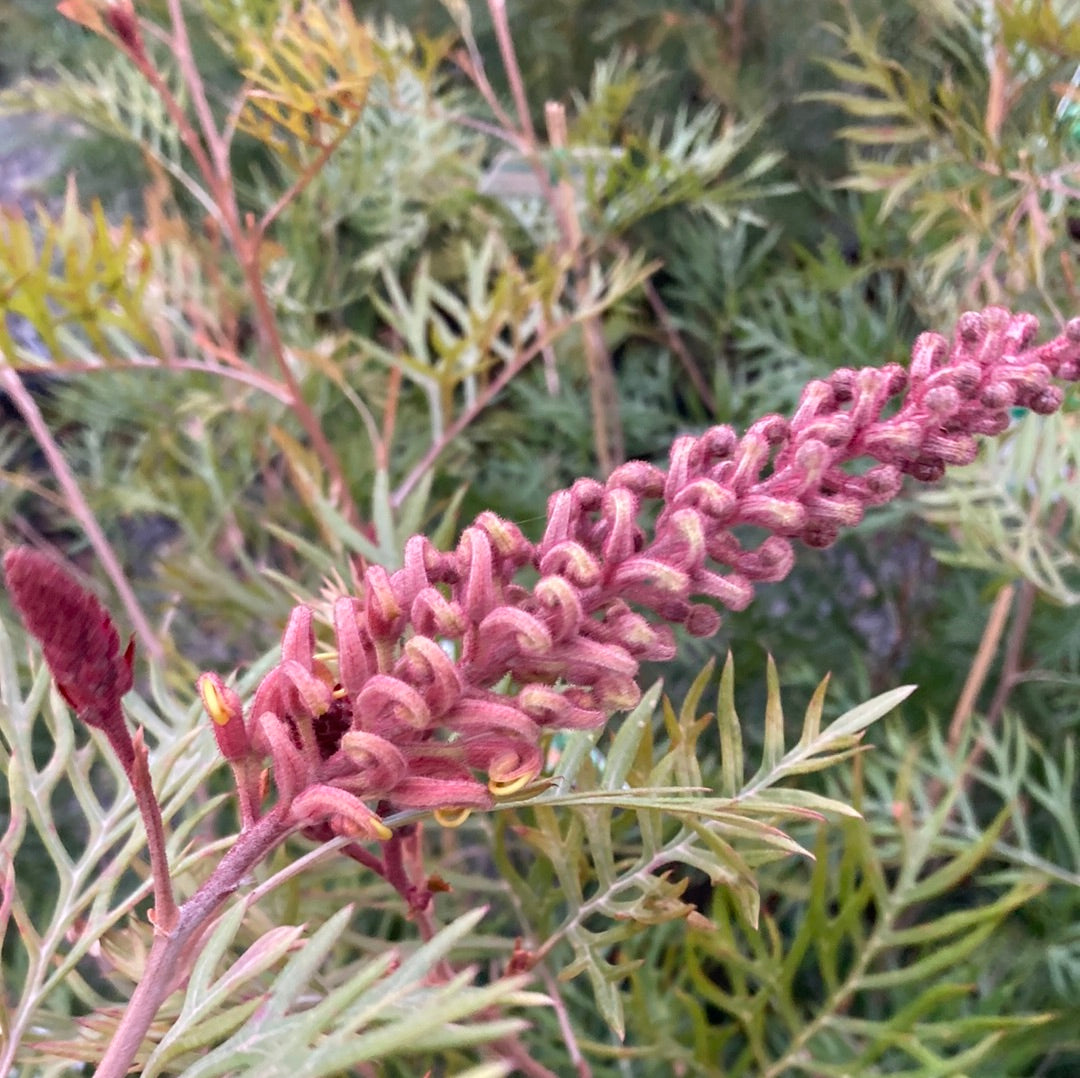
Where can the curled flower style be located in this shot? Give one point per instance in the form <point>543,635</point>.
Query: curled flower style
<point>449,671</point>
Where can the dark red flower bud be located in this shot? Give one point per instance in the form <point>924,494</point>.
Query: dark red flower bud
<point>79,641</point>
<point>120,16</point>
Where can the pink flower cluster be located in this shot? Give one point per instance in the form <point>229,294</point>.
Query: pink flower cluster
<point>448,671</point>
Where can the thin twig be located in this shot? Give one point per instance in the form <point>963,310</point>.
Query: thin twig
<point>245,375</point>
<point>1012,666</point>
<point>188,134</point>
<point>997,90</point>
<point>268,329</point>
<point>1014,652</point>
<point>560,197</point>
<point>988,645</point>
<point>244,235</point>
<point>603,392</point>
<point>678,346</point>
<point>302,181</point>
<point>185,60</point>
<point>524,1063</point>
<point>566,1027</point>
<point>513,70</point>
<point>483,399</point>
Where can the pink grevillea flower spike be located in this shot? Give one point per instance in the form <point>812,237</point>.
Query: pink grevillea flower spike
<point>448,671</point>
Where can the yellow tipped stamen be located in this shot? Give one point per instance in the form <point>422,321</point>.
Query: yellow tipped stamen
<point>452,817</point>
<point>213,702</point>
<point>505,789</point>
<point>382,832</point>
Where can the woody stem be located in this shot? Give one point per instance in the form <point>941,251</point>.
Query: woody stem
<point>169,949</point>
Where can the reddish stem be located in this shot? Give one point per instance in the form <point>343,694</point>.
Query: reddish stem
<point>165,913</point>
<point>169,949</point>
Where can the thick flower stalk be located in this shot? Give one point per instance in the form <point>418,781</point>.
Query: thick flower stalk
<point>449,670</point>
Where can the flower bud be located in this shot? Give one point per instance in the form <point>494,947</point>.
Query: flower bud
<point>1046,401</point>
<point>733,590</point>
<point>434,615</point>
<point>998,395</point>
<point>80,643</point>
<point>927,355</point>
<point>477,596</point>
<point>587,494</point>
<point>652,573</point>
<point>356,655</point>
<point>345,812</point>
<point>623,538</point>
<point>381,607</point>
<point>926,469</point>
<point>506,539</point>
<point>777,514</point>
<point>562,517</point>
<point>970,327</point>
<point>573,561</point>
<point>310,696</point>
<point>1021,331</point>
<point>225,709</point>
<point>614,692</point>
<point>291,769</point>
<point>380,762</point>
<point>429,792</point>
<point>511,625</point>
<point>750,458</point>
<point>298,640</point>
<point>842,381</point>
<point>639,477</point>
<point>426,666</point>
<point>386,702</point>
<point>559,605</point>
<point>816,397</point>
<point>707,496</point>
<point>882,483</point>
<point>717,444</point>
<point>955,450</point>
<point>772,560</point>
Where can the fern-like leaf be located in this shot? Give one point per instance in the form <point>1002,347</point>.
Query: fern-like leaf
<point>636,817</point>
<point>83,276</point>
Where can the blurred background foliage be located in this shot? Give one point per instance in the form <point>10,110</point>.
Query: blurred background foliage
<point>744,196</point>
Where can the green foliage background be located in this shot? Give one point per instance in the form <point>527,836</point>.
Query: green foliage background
<point>803,186</point>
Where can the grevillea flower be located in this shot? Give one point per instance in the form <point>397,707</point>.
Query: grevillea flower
<point>449,671</point>
<point>79,640</point>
